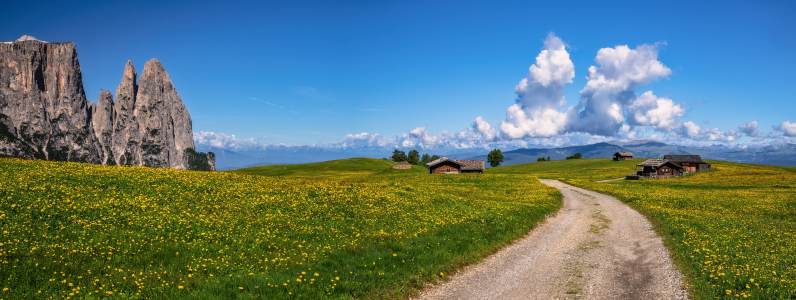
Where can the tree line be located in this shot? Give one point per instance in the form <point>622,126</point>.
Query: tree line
<point>413,158</point>
<point>575,156</point>
<point>494,158</point>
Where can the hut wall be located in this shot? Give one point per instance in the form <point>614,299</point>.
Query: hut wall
<point>446,167</point>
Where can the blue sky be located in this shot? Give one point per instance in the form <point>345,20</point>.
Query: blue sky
<point>313,72</point>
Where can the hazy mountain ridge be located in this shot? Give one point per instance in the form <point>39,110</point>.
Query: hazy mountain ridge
<point>783,155</point>
<point>769,155</point>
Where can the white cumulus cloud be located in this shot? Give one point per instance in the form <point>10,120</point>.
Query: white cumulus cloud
<point>540,94</point>
<point>609,88</point>
<point>660,113</point>
<point>750,129</point>
<point>481,126</point>
<point>787,128</point>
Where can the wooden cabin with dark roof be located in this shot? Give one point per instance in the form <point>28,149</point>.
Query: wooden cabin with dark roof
<point>453,166</point>
<point>660,168</point>
<point>690,163</point>
<point>623,156</point>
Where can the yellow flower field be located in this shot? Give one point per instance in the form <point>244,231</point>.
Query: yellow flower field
<point>84,231</point>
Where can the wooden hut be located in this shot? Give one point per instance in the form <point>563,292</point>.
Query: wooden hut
<point>623,156</point>
<point>472,166</point>
<point>659,168</point>
<point>452,166</point>
<point>690,163</point>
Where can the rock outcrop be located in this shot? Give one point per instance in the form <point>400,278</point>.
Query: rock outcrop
<point>41,92</point>
<point>44,113</point>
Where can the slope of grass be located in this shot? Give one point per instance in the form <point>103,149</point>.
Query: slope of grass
<point>87,231</point>
<point>415,170</point>
<point>731,230</point>
<point>591,168</point>
<point>340,167</point>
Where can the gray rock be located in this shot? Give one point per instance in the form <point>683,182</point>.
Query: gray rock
<point>102,120</point>
<point>125,126</point>
<point>211,160</point>
<point>44,112</point>
<point>41,91</point>
<point>163,121</point>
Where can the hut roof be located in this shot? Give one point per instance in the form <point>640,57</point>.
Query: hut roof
<point>684,158</point>
<point>471,165</point>
<point>441,160</point>
<point>620,153</point>
<point>657,162</point>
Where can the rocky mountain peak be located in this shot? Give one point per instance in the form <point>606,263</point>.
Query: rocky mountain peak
<point>28,38</point>
<point>44,112</point>
<point>162,117</point>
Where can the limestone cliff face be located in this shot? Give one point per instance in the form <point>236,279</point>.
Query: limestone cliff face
<point>125,126</point>
<point>44,112</point>
<point>103,120</point>
<point>162,122</point>
<point>43,103</point>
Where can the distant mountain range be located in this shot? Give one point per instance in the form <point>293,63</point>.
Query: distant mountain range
<point>769,155</point>
<point>281,155</point>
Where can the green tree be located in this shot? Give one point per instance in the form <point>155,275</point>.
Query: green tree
<point>414,157</point>
<point>495,157</point>
<point>548,158</point>
<point>540,159</point>
<point>197,161</point>
<point>425,159</point>
<point>398,155</point>
<point>576,156</point>
<point>434,157</point>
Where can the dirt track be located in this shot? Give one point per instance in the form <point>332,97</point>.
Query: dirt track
<point>596,247</point>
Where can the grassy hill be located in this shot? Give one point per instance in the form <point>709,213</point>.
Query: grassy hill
<point>730,230</point>
<point>592,168</point>
<point>73,230</point>
<point>340,167</point>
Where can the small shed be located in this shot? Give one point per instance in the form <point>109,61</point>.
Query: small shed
<point>659,168</point>
<point>452,166</point>
<point>691,163</point>
<point>623,155</point>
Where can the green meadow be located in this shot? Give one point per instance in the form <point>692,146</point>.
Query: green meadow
<point>358,229</point>
<point>361,230</point>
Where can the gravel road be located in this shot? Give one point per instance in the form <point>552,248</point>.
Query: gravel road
<point>595,247</point>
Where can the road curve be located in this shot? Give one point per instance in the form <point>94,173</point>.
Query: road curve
<point>595,247</point>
